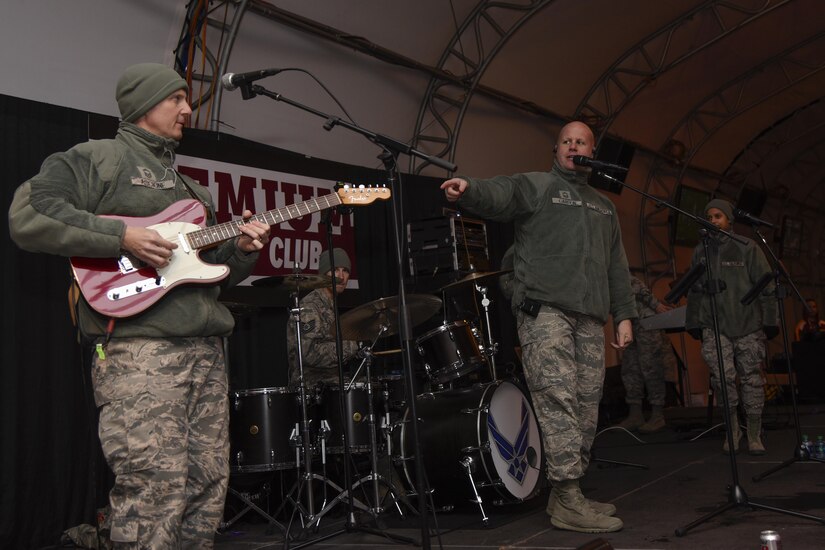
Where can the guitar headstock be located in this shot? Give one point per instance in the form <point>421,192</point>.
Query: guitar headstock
<point>357,195</point>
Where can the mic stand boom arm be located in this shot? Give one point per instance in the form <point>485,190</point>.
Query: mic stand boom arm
<point>249,91</point>
<point>661,202</point>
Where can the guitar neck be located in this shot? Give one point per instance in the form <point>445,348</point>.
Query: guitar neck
<point>214,234</point>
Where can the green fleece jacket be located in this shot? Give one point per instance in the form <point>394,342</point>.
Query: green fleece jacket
<point>739,266</point>
<point>56,212</point>
<point>568,248</point>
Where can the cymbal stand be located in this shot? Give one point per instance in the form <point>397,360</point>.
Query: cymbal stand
<point>301,437</point>
<point>373,476</point>
<point>492,348</point>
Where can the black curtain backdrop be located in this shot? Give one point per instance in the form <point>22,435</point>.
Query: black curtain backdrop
<point>53,475</point>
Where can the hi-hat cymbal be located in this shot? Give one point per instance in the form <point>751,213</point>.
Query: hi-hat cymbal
<point>365,321</point>
<point>295,281</point>
<point>474,276</point>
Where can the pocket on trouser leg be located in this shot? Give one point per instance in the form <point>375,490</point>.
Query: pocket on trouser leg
<point>128,434</point>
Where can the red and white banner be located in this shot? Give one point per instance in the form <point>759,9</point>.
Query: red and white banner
<point>296,242</point>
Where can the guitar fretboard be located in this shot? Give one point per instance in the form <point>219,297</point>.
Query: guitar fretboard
<point>214,234</point>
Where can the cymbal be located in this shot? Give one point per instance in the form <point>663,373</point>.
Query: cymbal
<point>365,321</point>
<point>386,352</point>
<point>474,276</point>
<point>295,281</point>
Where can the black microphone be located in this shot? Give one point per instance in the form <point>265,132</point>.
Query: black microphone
<point>746,217</point>
<point>231,81</point>
<point>581,160</point>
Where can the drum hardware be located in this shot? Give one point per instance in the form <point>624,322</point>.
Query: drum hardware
<point>373,478</point>
<point>246,498</point>
<point>303,449</point>
<point>469,466</point>
<point>492,346</point>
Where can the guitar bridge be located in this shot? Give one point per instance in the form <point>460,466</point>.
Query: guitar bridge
<point>133,289</point>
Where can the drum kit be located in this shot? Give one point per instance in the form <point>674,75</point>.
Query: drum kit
<point>478,435</point>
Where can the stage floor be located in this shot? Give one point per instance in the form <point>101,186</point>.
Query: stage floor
<point>687,477</point>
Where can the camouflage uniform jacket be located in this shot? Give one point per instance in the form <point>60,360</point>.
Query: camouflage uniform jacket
<point>739,266</point>
<point>57,212</point>
<point>568,249</point>
<point>320,358</point>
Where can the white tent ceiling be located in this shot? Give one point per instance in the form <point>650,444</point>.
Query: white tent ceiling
<point>738,84</point>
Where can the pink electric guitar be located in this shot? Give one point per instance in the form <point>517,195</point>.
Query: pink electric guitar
<point>124,286</point>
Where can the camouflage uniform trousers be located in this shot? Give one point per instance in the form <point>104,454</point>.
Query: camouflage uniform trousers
<point>743,356</point>
<point>164,419</point>
<point>563,358</point>
<point>644,363</point>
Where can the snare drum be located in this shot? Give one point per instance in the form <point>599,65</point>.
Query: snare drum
<point>260,423</point>
<point>489,429</point>
<point>450,351</point>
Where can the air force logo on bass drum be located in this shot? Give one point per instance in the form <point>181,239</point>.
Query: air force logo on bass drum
<point>514,452</point>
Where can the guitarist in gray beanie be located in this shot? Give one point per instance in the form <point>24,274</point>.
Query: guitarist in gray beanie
<point>158,369</point>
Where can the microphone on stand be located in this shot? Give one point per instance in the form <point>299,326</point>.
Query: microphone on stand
<point>231,81</point>
<point>581,160</point>
<point>747,217</point>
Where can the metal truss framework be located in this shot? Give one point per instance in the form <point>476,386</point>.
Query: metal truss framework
<point>639,67</point>
<point>482,34</point>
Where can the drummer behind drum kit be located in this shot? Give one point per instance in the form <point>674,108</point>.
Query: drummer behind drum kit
<point>479,441</point>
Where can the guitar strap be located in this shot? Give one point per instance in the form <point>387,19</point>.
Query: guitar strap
<point>210,211</point>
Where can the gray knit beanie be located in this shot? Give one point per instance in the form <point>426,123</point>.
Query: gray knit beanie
<point>341,260</point>
<point>143,86</point>
<point>722,205</point>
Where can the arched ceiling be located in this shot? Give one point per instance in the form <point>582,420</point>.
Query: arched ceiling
<point>737,85</point>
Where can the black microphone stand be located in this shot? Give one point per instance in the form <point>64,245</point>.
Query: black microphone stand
<point>737,496</point>
<point>780,292</point>
<point>391,149</point>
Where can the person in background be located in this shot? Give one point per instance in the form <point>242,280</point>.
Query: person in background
<point>569,275</point>
<point>742,328</point>
<point>159,377</point>
<point>320,356</point>
<point>644,364</point>
<point>811,327</point>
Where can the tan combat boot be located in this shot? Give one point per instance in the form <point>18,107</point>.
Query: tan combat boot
<point>634,419</point>
<point>755,446</point>
<point>734,422</point>
<point>572,513</point>
<point>602,507</point>
<point>655,423</point>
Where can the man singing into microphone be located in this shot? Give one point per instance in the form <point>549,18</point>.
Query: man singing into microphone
<point>569,275</point>
<point>742,328</point>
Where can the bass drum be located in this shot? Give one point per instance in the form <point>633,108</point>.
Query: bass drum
<point>489,428</point>
<point>260,423</point>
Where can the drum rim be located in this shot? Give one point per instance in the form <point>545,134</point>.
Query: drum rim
<point>441,328</point>
<point>263,391</point>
